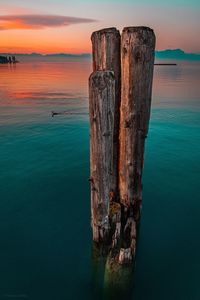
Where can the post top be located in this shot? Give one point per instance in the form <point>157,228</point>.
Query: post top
<point>140,35</point>
<point>137,29</point>
<point>105,31</point>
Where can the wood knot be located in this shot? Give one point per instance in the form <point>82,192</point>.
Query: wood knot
<point>90,179</point>
<point>124,50</point>
<point>130,163</point>
<point>112,195</point>
<point>129,121</point>
<point>127,124</point>
<point>138,56</point>
<point>107,133</point>
<point>143,133</point>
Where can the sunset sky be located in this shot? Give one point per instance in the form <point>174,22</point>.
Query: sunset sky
<point>55,26</point>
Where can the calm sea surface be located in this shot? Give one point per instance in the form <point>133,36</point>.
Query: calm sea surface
<point>45,236</point>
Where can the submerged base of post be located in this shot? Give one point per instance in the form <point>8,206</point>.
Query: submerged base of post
<point>110,280</point>
<point>119,242</point>
<point>118,277</point>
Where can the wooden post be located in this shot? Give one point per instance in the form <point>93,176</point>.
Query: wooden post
<point>106,57</point>
<point>104,139</point>
<point>119,104</point>
<point>137,59</point>
<point>101,107</point>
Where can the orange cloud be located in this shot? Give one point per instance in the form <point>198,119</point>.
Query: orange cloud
<point>38,21</point>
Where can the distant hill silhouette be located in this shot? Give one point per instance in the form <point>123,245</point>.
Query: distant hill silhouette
<point>82,55</point>
<point>177,54</point>
<point>173,54</point>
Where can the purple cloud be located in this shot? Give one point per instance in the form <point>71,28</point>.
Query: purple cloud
<point>38,21</point>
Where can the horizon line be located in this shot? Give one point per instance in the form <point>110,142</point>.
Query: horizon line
<point>86,53</point>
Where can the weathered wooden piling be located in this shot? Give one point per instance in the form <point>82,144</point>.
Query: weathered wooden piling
<point>101,107</point>
<point>104,127</point>
<point>119,104</point>
<point>106,57</point>
<point>137,61</point>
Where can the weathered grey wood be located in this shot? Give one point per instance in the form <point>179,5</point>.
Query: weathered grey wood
<point>137,59</point>
<point>106,56</point>
<point>101,107</point>
<point>106,50</point>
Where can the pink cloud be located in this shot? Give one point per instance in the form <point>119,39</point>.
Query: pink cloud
<point>34,21</point>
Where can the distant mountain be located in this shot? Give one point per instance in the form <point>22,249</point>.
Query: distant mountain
<point>172,54</point>
<point>37,57</point>
<point>176,54</point>
<point>82,55</point>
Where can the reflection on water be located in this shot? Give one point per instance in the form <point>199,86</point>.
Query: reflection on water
<point>44,192</point>
<point>176,85</point>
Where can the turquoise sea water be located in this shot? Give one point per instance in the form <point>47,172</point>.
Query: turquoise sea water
<point>45,236</point>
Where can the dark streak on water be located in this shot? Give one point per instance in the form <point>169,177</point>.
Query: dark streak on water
<point>45,233</point>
